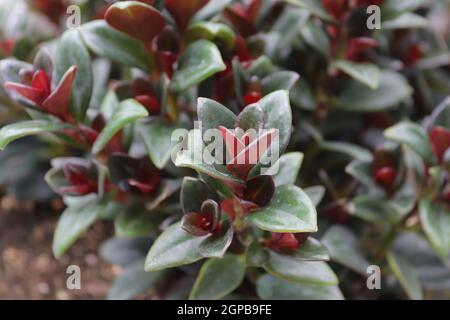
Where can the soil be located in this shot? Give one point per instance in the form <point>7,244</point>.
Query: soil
<point>28,269</point>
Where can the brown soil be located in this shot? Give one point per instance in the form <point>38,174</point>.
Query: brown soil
<point>28,269</point>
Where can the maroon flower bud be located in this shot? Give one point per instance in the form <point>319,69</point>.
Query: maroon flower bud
<point>358,46</point>
<point>204,222</point>
<point>440,141</point>
<point>283,242</point>
<point>414,54</point>
<point>336,212</point>
<point>385,177</point>
<point>82,179</point>
<point>254,92</point>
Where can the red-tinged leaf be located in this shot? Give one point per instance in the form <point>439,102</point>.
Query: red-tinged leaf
<point>76,190</point>
<point>440,141</point>
<point>243,25</point>
<point>210,209</point>
<point>183,10</point>
<point>260,190</point>
<point>195,224</point>
<point>142,187</point>
<point>136,19</point>
<point>76,174</point>
<point>151,103</point>
<point>27,92</point>
<point>233,144</point>
<point>253,10</point>
<point>41,81</point>
<point>284,242</point>
<point>58,103</point>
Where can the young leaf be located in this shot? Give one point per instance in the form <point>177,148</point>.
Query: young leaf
<point>193,193</point>
<point>129,110</point>
<point>285,170</point>
<point>218,277</point>
<point>69,52</point>
<point>200,61</point>
<point>18,130</point>
<point>290,210</point>
<point>115,45</point>
<point>213,114</point>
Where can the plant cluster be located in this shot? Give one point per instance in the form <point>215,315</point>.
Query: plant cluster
<point>363,111</point>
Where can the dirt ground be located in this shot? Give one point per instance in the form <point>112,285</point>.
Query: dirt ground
<point>28,269</point>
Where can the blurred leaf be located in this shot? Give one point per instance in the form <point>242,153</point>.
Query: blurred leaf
<point>133,281</point>
<point>435,220</point>
<point>271,288</point>
<point>406,275</point>
<point>211,31</point>
<point>343,247</point>
<point>414,136</point>
<point>315,193</point>
<point>124,251</point>
<point>366,73</point>
<point>357,97</point>
<point>280,80</point>
<point>218,277</point>
<point>18,130</point>
<point>405,21</point>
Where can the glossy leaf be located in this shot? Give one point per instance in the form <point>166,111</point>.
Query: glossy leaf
<point>22,129</point>
<point>136,19</point>
<point>193,193</point>
<point>175,247</point>
<point>281,80</point>
<point>129,110</point>
<point>290,210</point>
<point>311,272</point>
<point>200,61</point>
<point>315,193</point>
<point>218,277</point>
<point>286,169</point>
<point>211,31</point>
<point>311,250</point>
<point>112,44</point>
<point>213,114</point>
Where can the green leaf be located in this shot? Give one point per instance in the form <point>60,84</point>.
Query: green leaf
<point>123,251</point>
<point>288,268</point>
<point>175,247</point>
<point>285,170</point>
<point>278,115</point>
<point>211,31</point>
<point>218,278</point>
<point>357,97</point>
<point>18,130</point>
<point>75,220</point>
<point>366,73</point>
<point>157,137</point>
<point>280,80</point>
<point>133,281</point>
<point>129,111</point>
<point>193,193</point>
<point>290,210</point>
<point>361,171</point>
<point>71,51</point>
<point>256,255</point>
<point>317,38</point>
<point>435,219</point>
<point>200,61</point>
<point>213,114</point>
<point>352,150</point>
<point>311,250</point>
<point>405,21</point>
<point>414,136</point>
<point>10,70</point>
<point>135,221</point>
<point>315,193</point>
<point>406,275</point>
<point>301,95</point>
<point>271,288</point>
<point>344,249</point>
<point>210,9</point>
<point>312,6</point>
<point>392,8</point>
<point>115,45</point>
